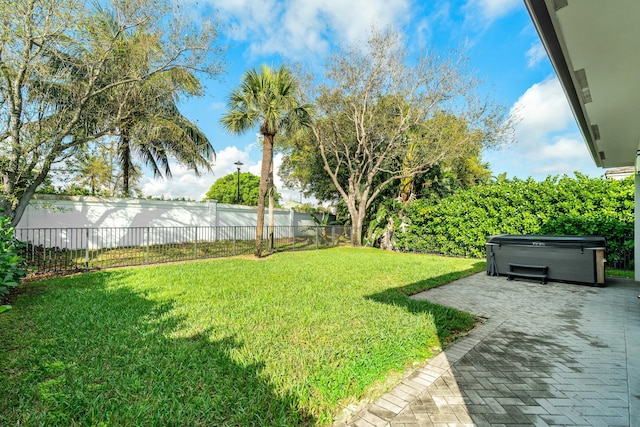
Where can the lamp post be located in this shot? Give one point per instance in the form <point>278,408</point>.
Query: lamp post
<point>238,164</point>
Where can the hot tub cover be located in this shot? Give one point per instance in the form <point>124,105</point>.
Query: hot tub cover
<point>544,240</point>
<point>574,259</point>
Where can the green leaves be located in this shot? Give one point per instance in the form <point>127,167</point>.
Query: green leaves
<point>11,263</point>
<point>225,189</point>
<point>459,224</point>
<point>266,98</point>
<point>77,72</point>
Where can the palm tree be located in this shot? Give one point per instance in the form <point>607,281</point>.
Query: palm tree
<point>269,100</point>
<point>142,113</point>
<point>155,130</point>
<point>147,120</point>
<point>93,171</point>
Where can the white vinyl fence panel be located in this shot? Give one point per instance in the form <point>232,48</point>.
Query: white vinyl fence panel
<point>136,222</point>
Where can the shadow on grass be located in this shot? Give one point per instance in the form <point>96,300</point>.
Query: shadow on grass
<point>97,352</point>
<point>449,322</point>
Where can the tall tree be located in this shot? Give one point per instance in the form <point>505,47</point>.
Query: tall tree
<point>152,128</point>
<point>225,189</point>
<point>381,118</point>
<point>94,172</point>
<point>61,68</point>
<point>267,99</point>
<point>302,167</point>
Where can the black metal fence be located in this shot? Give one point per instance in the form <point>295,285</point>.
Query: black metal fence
<point>80,249</point>
<point>621,260</point>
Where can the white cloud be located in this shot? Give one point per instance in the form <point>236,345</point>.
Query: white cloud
<point>226,159</point>
<point>490,10</point>
<point>547,138</point>
<point>535,55</point>
<point>183,183</point>
<point>293,28</point>
<point>565,148</point>
<point>541,111</point>
<point>557,168</point>
<point>186,184</point>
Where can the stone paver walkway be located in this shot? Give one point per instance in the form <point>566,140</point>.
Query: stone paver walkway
<point>546,355</point>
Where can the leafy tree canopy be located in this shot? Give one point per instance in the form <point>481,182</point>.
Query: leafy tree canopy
<point>383,119</point>
<point>225,190</point>
<point>302,167</point>
<point>68,69</point>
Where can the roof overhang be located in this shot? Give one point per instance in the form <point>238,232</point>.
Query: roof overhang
<point>594,46</point>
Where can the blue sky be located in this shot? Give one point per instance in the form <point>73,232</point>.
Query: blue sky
<point>496,35</point>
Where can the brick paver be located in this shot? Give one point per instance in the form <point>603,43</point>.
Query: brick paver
<point>546,355</point>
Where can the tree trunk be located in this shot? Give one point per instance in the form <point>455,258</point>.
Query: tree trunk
<point>15,213</point>
<point>16,210</point>
<point>271,190</point>
<point>125,158</point>
<point>356,221</point>
<point>267,157</point>
<point>356,230</point>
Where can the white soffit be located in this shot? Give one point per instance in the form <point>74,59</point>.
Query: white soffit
<point>599,49</point>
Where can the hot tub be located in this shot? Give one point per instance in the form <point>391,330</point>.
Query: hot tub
<point>574,259</point>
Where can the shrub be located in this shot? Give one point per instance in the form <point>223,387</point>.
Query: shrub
<point>11,263</point>
<point>459,224</point>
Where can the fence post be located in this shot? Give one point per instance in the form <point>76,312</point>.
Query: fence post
<point>333,235</point>
<point>317,234</point>
<point>86,250</point>
<point>195,245</point>
<point>147,245</point>
<point>271,241</point>
<point>235,249</point>
<point>217,222</point>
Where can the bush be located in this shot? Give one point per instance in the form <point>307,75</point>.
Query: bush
<point>11,263</point>
<point>459,224</point>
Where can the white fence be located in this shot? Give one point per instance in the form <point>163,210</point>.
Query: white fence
<point>71,213</point>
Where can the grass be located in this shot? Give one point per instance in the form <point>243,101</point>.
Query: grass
<point>287,340</point>
<point>49,260</point>
<point>620,273</point>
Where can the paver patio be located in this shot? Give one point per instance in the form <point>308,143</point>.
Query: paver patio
<point>546,355</point>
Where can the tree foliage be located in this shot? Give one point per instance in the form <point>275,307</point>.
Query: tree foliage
<point>64,65</point>
<point>383,118</point>
<point>303,167</point>
<point>11,262</point>
<point>154,130</point>
<point>93,171</point>
<point>269,100</point>
<point>459,224</point>
<point>225,189</point>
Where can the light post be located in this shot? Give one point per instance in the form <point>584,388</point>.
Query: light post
<point>238,164</point>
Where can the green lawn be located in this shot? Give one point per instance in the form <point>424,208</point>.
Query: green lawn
<point>620,273</point>
<point>50,260</point>
<point>287,340</point>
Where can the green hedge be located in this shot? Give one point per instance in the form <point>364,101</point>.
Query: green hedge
<point>11,263</point>
<point>459,224</point>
